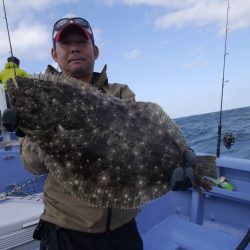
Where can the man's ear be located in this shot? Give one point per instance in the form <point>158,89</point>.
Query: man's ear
<point>96,52</point>
<point>54,54</point>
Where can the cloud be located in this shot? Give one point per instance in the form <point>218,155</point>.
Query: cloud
<point>202,13</point>
<point>27,41</point>
<point>107,2</point>
<point>20,8</point>
<point>132,54</point>
<point>161,3</point>
<point>155,3</point>
<point>32,39</point>
<point>30,34</point>
<point>181,13</point>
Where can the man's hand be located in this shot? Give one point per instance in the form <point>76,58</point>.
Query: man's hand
<point>182,177</point>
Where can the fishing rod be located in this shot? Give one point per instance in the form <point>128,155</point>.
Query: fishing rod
<point>222,86</point>
<point>11,51</point>
<point>6,135</point>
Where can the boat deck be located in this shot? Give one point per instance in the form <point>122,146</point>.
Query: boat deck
<point>176,233</point>
<point>217,220</point>
<point>19,217</point>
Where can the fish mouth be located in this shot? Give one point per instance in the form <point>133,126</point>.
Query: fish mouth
<point>20,85</point>
<point>23,86</point>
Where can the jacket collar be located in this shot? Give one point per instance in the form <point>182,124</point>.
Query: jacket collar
<point>100,79</point>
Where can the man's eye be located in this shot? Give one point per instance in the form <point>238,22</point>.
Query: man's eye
<point>65,42</point>
<point>83,41</point>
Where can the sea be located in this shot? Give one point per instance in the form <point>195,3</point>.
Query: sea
<point>201,132</point>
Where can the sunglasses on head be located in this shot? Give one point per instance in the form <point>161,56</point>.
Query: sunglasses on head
<point>60,24</point>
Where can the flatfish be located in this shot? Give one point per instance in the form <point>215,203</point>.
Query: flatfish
<point>105,151</point>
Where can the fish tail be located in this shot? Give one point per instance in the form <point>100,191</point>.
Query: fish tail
<point>205,166</point>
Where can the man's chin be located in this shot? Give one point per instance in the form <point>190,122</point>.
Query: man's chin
<point>78,72</point>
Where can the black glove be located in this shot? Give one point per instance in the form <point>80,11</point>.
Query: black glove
<point>182,177</point>
<point>19,133</point>
<point>10,121</point>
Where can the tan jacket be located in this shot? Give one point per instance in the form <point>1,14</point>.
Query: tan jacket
<point>63,209</point>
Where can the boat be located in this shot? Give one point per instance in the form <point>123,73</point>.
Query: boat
<point>179,220</point>
<point>215,220</point>
<point>20,206</point>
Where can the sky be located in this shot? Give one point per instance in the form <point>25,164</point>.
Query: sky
<point>169,52</point>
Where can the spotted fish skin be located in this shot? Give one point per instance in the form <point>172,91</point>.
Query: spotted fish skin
<point>106,151</point>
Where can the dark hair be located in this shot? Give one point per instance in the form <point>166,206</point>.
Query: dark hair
<point>14,59</point>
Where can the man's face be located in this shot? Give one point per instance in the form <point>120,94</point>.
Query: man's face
<point>75,54</point>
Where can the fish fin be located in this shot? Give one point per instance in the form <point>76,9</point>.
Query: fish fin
<point>51,70</point>
<point>205,166</point>
<point>170,125</point>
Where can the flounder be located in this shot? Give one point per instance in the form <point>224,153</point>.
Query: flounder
<point>105,151</point>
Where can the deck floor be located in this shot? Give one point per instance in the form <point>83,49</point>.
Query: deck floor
<point>175,233</point>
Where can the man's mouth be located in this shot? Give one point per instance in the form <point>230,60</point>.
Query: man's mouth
<point>76,60</point>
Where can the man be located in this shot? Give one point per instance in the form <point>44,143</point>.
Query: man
<point>67,223</point>
<point>11,69</point>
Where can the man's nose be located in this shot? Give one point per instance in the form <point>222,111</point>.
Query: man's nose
<point>74,48</point>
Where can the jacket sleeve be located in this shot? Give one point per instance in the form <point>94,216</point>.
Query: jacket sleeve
<point>121,91</point>
<point>29,155</point>
<point>25,74</point>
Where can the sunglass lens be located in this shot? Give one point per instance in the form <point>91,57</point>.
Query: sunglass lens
<point>60,24</point>
<point>81,21</point>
